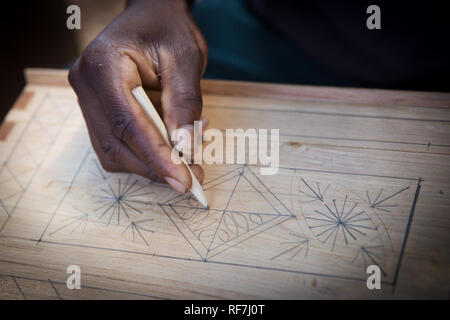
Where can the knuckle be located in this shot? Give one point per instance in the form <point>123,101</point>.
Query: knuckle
<point>89,58</point>
<point>148,156</point>
<point>188,51</point>
<point>110,152</point>
<point>123,126</point>
<point>95,55</point>
<point>106,163</point>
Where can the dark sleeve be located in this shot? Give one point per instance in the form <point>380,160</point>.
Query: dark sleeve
<point>410,51</point>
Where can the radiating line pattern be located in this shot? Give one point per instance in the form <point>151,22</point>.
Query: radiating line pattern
<point>316,192</point>
<point>75,224</point>
<point>119,201</point>
<point>138,229</point>
<point>97,172</point>
<point>379,203</point>
<point>313,192</point>
<point>300,244</point>
<point>330,222</point>
<point>370,256</point>
<point>122,199</point>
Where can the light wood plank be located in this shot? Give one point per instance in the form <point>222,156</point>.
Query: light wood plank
<point>372,165</point>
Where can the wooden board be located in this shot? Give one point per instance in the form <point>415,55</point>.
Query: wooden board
<point>364,179</point>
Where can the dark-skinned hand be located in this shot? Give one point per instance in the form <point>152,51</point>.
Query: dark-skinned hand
<point>156,44</point>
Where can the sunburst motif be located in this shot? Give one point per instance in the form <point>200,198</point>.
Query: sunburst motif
<point>348,221</point>
<point>122,199</point>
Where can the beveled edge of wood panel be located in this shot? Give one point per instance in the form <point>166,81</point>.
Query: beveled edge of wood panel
<point>375,97</point>
<point>23,99</point>
<point>5,129</point>
<point>50,77</point>
<point>58,77</point>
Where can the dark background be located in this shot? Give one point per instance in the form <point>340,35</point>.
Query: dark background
<point>34,34</point>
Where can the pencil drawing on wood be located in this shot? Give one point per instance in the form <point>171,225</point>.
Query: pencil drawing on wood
<point>349,218</point>
<point>306,221</point>
<point>346,221</point>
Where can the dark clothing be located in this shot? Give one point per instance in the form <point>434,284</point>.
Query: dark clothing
<point>411,50</point>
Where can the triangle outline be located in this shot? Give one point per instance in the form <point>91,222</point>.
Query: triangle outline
<point>212,244</point>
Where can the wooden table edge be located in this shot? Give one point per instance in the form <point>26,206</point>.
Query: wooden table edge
<point>58,77</point>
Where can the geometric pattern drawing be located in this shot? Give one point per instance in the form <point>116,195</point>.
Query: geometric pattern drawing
<point>331,221</point>
<point>121,200</point>
<point>230,220</point>
<point>16,287</point>
<point>18,168</point>
<point>352,223</point>
<point>76,224</point>
<point>10,191</point>
<point>335,231</point>
<point>370,255</point>
<point>301,221</point>
<point>312,194</point>
<point>298,245</point>
<point>118,201</point>
<point>378,204</point>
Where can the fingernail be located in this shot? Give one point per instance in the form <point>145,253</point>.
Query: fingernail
<point>175,184</point>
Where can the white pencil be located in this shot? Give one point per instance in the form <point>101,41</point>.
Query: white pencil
<point>150,110</point>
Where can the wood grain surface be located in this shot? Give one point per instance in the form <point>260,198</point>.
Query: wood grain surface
<point>364,179</point>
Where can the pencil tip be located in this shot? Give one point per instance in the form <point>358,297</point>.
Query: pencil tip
<point>207,207</point>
